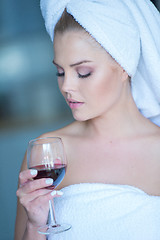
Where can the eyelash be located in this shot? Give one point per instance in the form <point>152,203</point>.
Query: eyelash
<point>59,74</point>
<point>84,76</point>
<point>79,75</point>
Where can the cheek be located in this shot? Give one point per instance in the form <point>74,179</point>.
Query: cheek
<point>106,88</point>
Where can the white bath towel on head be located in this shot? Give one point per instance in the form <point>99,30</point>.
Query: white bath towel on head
<point>130,31</point>
<point>107,212</point>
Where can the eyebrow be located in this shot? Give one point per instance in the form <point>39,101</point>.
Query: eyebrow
<point>74,64</point>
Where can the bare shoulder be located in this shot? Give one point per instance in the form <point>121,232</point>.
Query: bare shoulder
<point>69,134</point>
<point>65,133</point>
<point>69,131</point>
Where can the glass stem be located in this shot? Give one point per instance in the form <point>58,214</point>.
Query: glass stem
<point>52,212</point>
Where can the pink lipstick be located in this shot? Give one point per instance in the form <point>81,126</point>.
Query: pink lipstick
<point>73,104</point>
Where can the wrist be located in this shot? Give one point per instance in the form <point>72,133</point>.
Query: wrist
<point>31,227</point>
<point>32,233</point>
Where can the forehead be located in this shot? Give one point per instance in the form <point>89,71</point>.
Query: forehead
<point>75,39</point>
<point>79,44</point>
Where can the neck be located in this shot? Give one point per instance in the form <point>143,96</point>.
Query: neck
<point>123,120</point>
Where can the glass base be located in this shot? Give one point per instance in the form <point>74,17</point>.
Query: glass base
<point>54,229</point>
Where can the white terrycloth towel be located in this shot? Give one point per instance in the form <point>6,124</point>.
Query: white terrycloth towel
<point>130,31</point>
<point>107,212</point>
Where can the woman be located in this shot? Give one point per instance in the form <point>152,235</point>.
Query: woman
<point>109,78</point>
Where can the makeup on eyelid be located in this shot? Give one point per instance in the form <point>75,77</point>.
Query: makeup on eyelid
<point>60,74</point>
<point>82,71</point>
<point>79,75</point>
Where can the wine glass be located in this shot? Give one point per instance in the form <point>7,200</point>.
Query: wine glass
<point>47,156</point>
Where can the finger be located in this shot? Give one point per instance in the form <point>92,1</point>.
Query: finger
<point>47,194</point>
<point>26,198</point>
<point>39,197</point>
<point>51,195</point>
<point>56,193</point>
<point>26,175</point>
<point>34,185</point>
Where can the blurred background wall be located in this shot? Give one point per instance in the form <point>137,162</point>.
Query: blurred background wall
<point>30,102</point>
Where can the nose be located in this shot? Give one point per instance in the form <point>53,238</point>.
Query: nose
<point>68,84</point>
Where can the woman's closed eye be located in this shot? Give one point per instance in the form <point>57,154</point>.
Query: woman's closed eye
<point>58,74</point>
<point>84,71</point>
<point>84,75</point>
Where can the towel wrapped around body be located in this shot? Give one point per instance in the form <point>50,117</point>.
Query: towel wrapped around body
<point>107,211</point>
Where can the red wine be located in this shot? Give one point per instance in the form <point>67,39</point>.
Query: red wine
<point>56,173</point>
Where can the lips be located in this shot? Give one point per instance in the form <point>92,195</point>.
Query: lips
<point>69,100</point>
<point>73,104</point>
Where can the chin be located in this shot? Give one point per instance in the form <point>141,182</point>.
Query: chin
<point>81,118</point>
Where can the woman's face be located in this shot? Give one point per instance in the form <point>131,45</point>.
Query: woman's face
<point>89,79</point>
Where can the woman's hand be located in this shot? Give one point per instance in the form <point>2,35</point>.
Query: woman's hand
<point>34,196</point>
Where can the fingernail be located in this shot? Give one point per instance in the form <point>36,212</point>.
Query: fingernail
<point>33,172</point>
<point>49,181</point>
<point>59,193</point>
<point>53,193</point>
